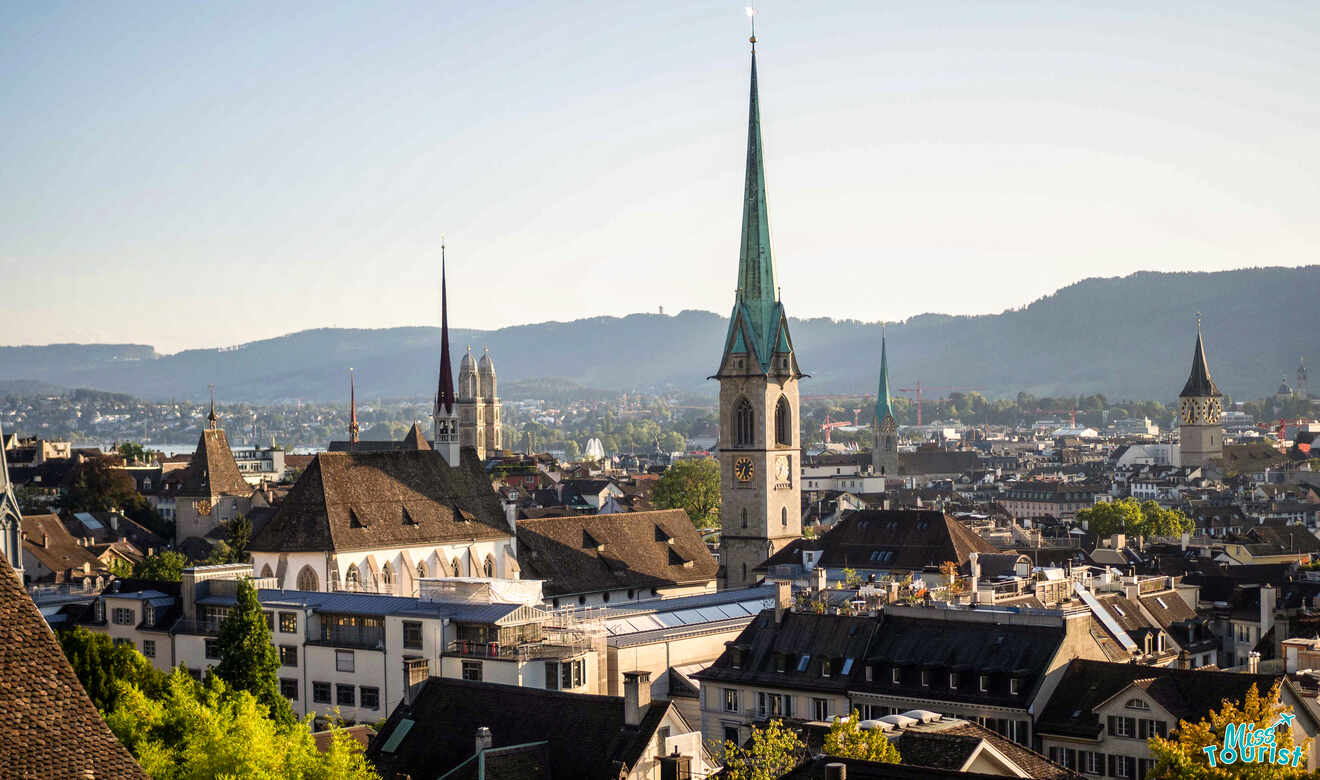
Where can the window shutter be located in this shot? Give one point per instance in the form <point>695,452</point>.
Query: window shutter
<point>1111,727</point>
<point>1109,762</point>
<point>1142,730</point>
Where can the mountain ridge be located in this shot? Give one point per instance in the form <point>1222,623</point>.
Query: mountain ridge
<point>1127,337</point>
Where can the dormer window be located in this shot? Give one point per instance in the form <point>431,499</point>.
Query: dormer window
<point>984,683</point>
<point>149,614</point>
<point>824,667</point>
<point>589,541</point>
<point>1015,686</point>
<point>661,536</point>
<point>925,678</point>
<point>896,675</point>
<point>1136,704</point>
<point>953,680</point>
<point>736,658</point>
<point>353,520</point>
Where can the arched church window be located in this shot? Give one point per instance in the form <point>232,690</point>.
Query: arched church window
<point>744,434</point>
<point>307,579</point>
<point>387,578</point>
<point>489,568</point>
<point>783,422</point>
<point>744,571</point>
<point>334,579</point>
<point>266,572</point>
<point>458,571</point>
<point>353,578</point>
<point>421,570</point>
<point>744,517</point>
<point>783,516</point>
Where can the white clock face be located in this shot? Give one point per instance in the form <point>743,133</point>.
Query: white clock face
<point>781,468</point>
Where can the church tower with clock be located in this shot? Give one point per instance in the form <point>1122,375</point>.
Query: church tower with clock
<point>760,444</point>
<point>1200,409</point>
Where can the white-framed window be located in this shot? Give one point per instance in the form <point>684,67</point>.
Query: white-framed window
<point>984,683</point>
<point>820,708</point>
<point>149,648</point>
<point>953,680</point>
<point>123,616</point>
<point>731,700</point>
<point>1014,686</point>
<point>925,678</point>
<point>896,675</point>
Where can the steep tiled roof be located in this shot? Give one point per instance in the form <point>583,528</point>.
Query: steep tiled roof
<point>586,553</point>
<point>765,647</point>
<point>1187,694</point>
<point>1002,652</point>
<point>212,469</point>
<point>360,500</point>
<point>586,735</point>
<point>47,540</point>
<point>1199,384</point>
<point>416,439</point>
<point>889,539</point>
<point>949,748</point>
<point>48,726</point>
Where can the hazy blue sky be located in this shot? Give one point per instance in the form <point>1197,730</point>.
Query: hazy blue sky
<point>198,174</point>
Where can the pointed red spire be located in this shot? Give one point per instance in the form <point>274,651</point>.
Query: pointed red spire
<point>352,409</point>
<point>444,396</point>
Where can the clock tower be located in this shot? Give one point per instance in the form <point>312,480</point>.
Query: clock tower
<point>760,444</point>
<point>1200,409</point>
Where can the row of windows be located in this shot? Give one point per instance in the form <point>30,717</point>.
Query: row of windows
<point>307,579</point>
<point>565,675</point>
<point>776,705</point>
<point>1095,763</point>
<point>364,696</point>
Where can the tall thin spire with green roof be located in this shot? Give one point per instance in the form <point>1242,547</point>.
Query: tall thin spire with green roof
<point>883,408</point>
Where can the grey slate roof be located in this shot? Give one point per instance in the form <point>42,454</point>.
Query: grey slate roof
<point>1199,384</point>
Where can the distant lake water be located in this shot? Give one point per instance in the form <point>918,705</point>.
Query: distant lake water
<point>187,449</point>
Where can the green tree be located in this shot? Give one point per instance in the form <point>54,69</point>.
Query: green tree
<point>102,665</point>
<point>572,451</point>
<point>1182,755</point>
<point>1158,521</point>
<point>1127,516</point>
<point>672,441</point>
<point>132,452</point>
<point>847,739</point>
<point>96,485</point>
<point>248,660</point>
<point>166,565</point>
<point>851,578</point>
<point>772,752</point>
<point>204,730</point>
<point>692,485</point>
<point>240,532</point>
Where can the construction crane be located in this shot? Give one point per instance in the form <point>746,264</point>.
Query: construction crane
<point>1072,414</point>
<point>920,388</point>
<point>828,426</point>
<point>1281,429</point>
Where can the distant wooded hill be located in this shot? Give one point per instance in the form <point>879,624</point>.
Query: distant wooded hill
<point>1128,337</point>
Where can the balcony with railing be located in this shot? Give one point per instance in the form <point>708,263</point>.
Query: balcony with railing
<point>351,631</point>
<point>199,627</point>
<point>517,652</point>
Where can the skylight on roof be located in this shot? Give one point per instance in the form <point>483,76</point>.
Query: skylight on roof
<point>847,665</point>
<point>802,664</point>
<point>1160,601</point>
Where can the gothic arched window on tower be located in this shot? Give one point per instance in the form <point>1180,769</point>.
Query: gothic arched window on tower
<point>783,422</point>
<point>744,434</point>
<point>744,517</point>
<point>783,517</point>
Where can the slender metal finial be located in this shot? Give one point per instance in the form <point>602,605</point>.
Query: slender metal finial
<point>211,418</point>
<point>751,14</point>
<point>1198,322</point>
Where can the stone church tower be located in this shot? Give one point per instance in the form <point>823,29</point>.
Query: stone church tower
<point>884,444</point>
<point>492,433</point>
<point>760,445</point>
<point>11,519</point>
<point>444,417</point>
<point>478,405</point>
<point>1199,412</point>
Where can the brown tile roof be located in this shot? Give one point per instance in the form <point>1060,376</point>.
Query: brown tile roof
<point>587,553</point>
<point>48,726</point>
<point>949,748</point>
<point>47,540</point>
<point>416,439</point>
<point>361,500</point>
<point>212,470</point>
<point>889,539</point>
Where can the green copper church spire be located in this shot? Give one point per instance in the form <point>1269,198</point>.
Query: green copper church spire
<point>756,271</point>
<point>883,408</point>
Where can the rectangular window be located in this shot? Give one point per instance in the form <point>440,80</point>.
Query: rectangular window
<point>731,735</point>
<point>820,708</point>
<point>288,622</point>
<point>412,635</point>
<point>321,692</point>
<point>288,655</point>
<point>289,688</point>
<point>925,678</point>
<point>345,695</point>
<point>1093,763</point>
<point>984,683</point>
<point>896,675</point>
<point>344,661</point>
<point>370,697</point>
<point>472,670</point>
<point>122,642</point>
<point>270,619</point>
<point>122,616</point>
<point>149,648</point>
<point>552,675</point>
<point>953,679</point>
<point>730,699</point>
<point>1014,686</point>
<point>212,649</point>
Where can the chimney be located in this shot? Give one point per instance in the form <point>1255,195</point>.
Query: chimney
<point>974,563</point>
<point>1267,599</point>
<point>836,771</point>
<point>1253,662</point>
<point>511,516</point>
<point>484,740</point>
<point>783,600</point>
<point>416,670</point>
<point>1119,541</point>
<point>1131,590</point>
<point>636,697</point>
<point>822,579</point>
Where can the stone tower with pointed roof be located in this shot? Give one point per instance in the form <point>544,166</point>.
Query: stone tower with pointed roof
<point>214,491</point>
<point>884,443</point>
<point>1200,410</point>
<point>11,519</point>
<point>759,445</point>
<point>445,415</point>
